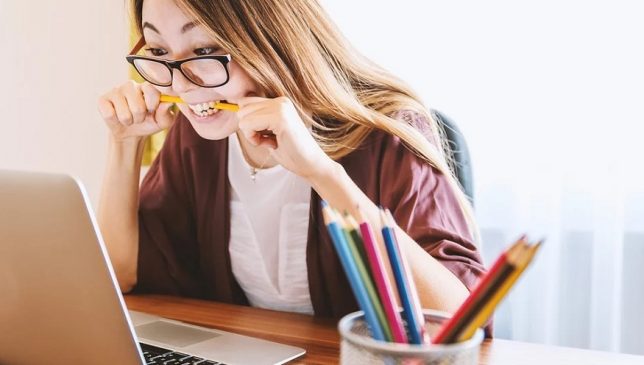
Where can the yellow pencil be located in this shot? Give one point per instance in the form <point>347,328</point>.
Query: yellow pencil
<point>218,105</point>
<point>525,257</point>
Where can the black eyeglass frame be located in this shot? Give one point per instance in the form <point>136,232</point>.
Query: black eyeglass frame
<point>131,58</point>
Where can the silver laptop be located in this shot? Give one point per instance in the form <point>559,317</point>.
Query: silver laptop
<point>59,300</point>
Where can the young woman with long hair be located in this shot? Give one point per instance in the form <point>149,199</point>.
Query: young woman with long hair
<point>230,209</point>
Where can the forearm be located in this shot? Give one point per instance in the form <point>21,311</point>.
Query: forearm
<point>438,288</point>
<point>117,213</point>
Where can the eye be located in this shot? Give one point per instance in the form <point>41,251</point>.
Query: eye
<point>204,51</point>
<point>156,52</point>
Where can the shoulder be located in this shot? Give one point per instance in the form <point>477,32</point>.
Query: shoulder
<point>380,143</point>
<point>384,160</point>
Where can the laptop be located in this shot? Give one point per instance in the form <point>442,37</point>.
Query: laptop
<point>60,302</point>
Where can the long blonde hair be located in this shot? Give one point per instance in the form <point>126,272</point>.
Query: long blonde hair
<point>292,48</point>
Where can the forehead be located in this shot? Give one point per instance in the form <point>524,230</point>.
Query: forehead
<point>166,18</point>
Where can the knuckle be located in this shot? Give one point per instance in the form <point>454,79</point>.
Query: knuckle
<point>128,86</point>
<point>127,119</point>
<point>109,115</point>
<point>138,111</point>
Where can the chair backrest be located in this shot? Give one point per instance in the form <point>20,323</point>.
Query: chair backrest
<point>459,153</point>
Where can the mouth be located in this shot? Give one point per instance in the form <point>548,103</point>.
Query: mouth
<point>205,109</point>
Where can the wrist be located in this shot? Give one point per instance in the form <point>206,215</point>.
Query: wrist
<point>325,174</point>
<point>126,142</point>
<point>126,152</point>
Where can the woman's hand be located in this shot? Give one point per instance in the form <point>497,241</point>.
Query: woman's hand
<point>133,110</point>
<point>275,123</point>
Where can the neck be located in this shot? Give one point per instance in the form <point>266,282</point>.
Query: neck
<point>256,156</point>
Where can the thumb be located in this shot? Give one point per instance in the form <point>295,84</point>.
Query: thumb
<point>165,115</point>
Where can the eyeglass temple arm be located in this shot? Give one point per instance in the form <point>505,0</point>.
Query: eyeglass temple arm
<point>137,47</point>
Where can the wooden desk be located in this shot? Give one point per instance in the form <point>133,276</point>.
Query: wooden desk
<point>322,342</point>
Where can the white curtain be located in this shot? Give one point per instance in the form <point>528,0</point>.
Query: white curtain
<point>550,96</point>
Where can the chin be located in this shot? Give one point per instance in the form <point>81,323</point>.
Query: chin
<point>214,127</point>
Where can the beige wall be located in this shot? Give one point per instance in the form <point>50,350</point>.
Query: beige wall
<point>56,58</point>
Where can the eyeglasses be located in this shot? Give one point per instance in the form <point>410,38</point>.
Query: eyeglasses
<point>204,71</point>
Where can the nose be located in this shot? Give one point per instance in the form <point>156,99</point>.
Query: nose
<point>180,84</point>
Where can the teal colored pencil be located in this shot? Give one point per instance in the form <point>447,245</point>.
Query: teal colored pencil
<point>354,231</point>
<point>350,269</point>
<point>354,239</point>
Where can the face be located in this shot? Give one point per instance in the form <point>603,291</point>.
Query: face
<point>171,35</point>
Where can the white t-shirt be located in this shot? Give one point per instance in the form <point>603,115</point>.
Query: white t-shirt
<point>268,234</point>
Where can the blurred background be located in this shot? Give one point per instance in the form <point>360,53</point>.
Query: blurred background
<point>548,94</point>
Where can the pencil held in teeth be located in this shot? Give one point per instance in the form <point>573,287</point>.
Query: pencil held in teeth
<point>217,105</point>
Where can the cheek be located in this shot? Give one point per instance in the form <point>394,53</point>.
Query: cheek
<point>240,82</point>
<point>166,90</point>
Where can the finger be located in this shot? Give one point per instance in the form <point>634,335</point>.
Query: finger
<point>254,123</point>
<point>135,101</point>
<point>122,109</point>
<point>263,121</point>
<point>268,140</point>
<point>164,116</point>
<point>249,109</point>
<point>257,129</point>
<point>106,109</point>
<point>247,100</point>
<point>151,96</point>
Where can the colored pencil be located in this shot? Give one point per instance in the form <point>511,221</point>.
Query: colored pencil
<point>351,271</point>
<point>218,105</point>
<point>483,315</point>
<point>494,277</point>
<point>383,284</point>
<point>354,231</point>
<point>354,240</point>
<point>405,284</point>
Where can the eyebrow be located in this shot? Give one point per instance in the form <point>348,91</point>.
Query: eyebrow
<point>186,27</point>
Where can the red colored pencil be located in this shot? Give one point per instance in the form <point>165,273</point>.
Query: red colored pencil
<point>383,284</point>
<point>493,278</point>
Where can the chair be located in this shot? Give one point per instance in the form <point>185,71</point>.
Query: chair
<point>460,154</point>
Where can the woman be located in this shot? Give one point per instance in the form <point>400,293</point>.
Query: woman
<point>230,209</point>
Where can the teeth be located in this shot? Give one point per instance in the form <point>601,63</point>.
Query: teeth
<point>204,109</point>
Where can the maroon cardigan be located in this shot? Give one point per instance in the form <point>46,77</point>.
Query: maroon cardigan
<point>184,220</point>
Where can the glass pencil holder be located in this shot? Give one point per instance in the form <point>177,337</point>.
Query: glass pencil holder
<point>358,347</point>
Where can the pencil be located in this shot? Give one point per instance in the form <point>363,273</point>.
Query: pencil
<point>494,278</point>
<point>404,281</point>
<point>380,277</point>
<point>218,105</point>
<point>352,227</point>
<point>351,271</point>
<point>522,263</point>
<point>355,241</point>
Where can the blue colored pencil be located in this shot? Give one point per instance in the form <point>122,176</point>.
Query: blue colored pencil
<point>354,240</point>
<point>351,270</point>
<point>404,281</point>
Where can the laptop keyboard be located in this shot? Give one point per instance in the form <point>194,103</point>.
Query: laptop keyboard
<point>159,356</point>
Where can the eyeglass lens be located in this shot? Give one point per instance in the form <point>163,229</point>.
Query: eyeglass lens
<point>204,72</point>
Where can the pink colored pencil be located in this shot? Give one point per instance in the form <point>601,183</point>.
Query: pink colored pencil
<point>383,284</point>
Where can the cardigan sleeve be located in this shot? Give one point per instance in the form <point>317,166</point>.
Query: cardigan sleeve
<point>424,204</point>
<point>166,223</point>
